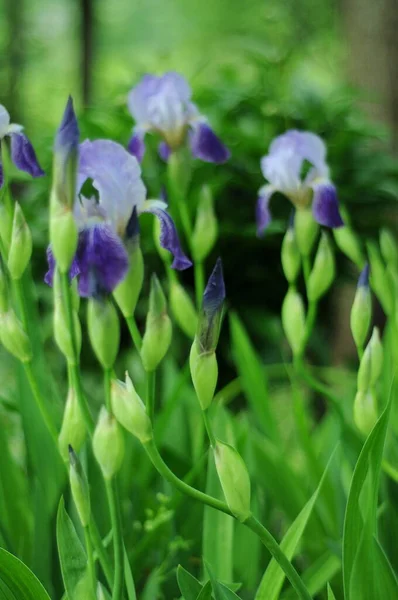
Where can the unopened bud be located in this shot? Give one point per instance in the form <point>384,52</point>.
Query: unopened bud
<point>290,256</point>
<point>21,244</point>
<point>209,322</point>
<point>158,330</point>
<point>365,411</point>
<point>234,480</point>
<point>79,487</point>
<point>63,334</point>
<point>306,229</point>
<point>73,429</point>
<point>63,236</point>
<point>378,279</point>
<point>361,312</point>
<point>204,373</point>
<point>14,337</point>
<point>323,271</point>
<point>293,320</point>
<point>128,291</point>
<point>66,148</point>
<point>104,330</point>
<point>371,363</point>
<point>108,444</point>
<point>206,227</point>
<point>388,246</point>
<point>130,411</point>
<point>183,309</point>
<point>347,241</point>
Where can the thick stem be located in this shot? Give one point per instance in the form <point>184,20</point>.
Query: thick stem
<point>209,429</point>
<point>113,501</point>
<point>90,558</point>
<point>101,552</point>
<point>134,332</point>
<point>199,282</point>
<point>150,393</point>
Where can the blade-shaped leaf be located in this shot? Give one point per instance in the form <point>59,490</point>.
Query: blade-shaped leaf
<point>221,592</point>
<point>206,592</point>
<point>18,580</point>
<point>188,584</point>
<point>331,596</point>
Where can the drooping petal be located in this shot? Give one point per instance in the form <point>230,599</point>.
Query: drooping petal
<point>263,213</point>
<point>168,235</point>
<point>23,156</point>
<point>49,276</point>
<point>4,121</point>
<point>164,151</point>
<point>136,145</point>
<point>325,206</point>
<point>206,145</point>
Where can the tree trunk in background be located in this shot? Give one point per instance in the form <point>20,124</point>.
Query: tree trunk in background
<point>14,53</point>
<point>87,27</point>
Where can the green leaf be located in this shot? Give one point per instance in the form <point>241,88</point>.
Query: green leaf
<point>128,576</point>
<point>17,581</point>
<point>273,578</point>
<point>72,557</point>
<point>331,596</point>
<point>188,584</point>
<point>221,592</point>
<point>363,559</point>
<point>206,592</point>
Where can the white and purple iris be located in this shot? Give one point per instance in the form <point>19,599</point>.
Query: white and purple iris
<point>290,154</point>
<point>101,261</point>
<point>162,104</point>
<point>22,154</point>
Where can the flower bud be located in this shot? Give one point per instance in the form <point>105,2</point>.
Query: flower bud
<point>6,221</point>
<point>290,256</point>
<point>209,322</point>
<point>4,294</point>
<point>306,229</point>
<point>347,241</point>
<point>206,226</point>
<point>365,411</point>
<point>183,309</point>
<point>103,330</point>
<point>108,444</point>
<point>21,244</point>
<point>323,271</point>
<point>361,312</point>
<point>158,330</point>
<point>293,320</point>
<point>378,279</point>
<point>79,487</point>
<point>234,480</point>
<point>388,247</point>
<point>13,336</point>
<point>371,363</point>
<point>204,373</point>
<point>130,411</point>
<point>63,236</point>
<point>62,333</point>
<point>73,429</point>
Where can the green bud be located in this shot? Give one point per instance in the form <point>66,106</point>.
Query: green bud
<point>158,330</point>
<point>290,256</point>
<point>130,411</point>
<point>347,241</point>
<point>378,279</point>
<point>306,229</point>
<point>371,363</point>
<point>73,429</point>
<point>4,294</point>
<point>365,411</point>
<point>21,244</point>
<point>103,330</point>
<point>293,320</point>
<point>6,221</point>
<point>204,373</point>
<point>63,236</point>
<point>388,247</point>
<point>79,486</point>
<point>13,336</point>
<point>361,312</point>
<point>234,480</point>
<point>108,444</point>
<point>206,226</point>
<point>62,333</point>
<point>128,291</point>
<point>323,271</point>
<point>183,309</point>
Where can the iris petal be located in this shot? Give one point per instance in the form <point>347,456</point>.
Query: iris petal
<point>169,237</point>
<point>263,213</point>
<point>325,206</point>
<point>136,146</point>
<point>23,155</point>
<point>206,145</point>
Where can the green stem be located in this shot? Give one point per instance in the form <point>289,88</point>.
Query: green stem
<point>150,393</point>
<point>101,553</point>
<point>90,558</point>
<point>107,388</point>
<point>199,282</point>
<point>312,306</point>
<point>209,429</point>
<point>42,405</point>
<point>134,332</point>
<point>113,501</point>
<point>185,219</point>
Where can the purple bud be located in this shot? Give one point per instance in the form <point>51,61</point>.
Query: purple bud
<point>67,138</point>
<point>363,280</point>
<point>210,317</point>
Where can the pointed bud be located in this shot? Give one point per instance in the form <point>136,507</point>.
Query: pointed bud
<point>79,488</point>
<point>361,312</point>
<point>388,247</point>
<point>62,333</point>
<point>158,330</point>
<point>378,279</point>
<point>21,245</point>
<point>183,309</point>
<point>103,330</point>
<point>234,480</point>
<point>206,226</point>
<point>6,220</point>
<point>348,242</point>
<point>293,320</point>
<point>108,444</point>
<point>4,294</point>
<point>130,411</point>
<point>323,271</point>
<point>306,229</point>
<point>13,336</point>
<point>371,363</point>
<point>290,256</point>
<point>210,317</point>
<point>63,236</point>
<point>204,373</point>
<point>365,411</point>
<point>73,429</point>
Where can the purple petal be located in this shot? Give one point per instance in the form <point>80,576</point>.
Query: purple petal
<point>67,138</point>
<point>206,145</point>
<point>23,156</point>
<point>164,151</point>
<point>133,226</point>
<point>169,238</point>
<point>214,294</point>
<point>49,276</point>
<point>263,213</point>
<point>325,205</point>
<point>363,280</point>
<point>136,146</point>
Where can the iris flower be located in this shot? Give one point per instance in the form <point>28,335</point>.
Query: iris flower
<point>283,166</point>
<point>22,154</point>
<point>162,104</point>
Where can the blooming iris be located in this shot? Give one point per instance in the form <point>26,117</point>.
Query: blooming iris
<point>101,260</point>
<point>163,105</point>
<point>283,167</point>
<point>22,154</point>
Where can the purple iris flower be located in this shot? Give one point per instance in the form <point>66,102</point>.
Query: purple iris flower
<point>283,167</point>
<point>162,104</point>
<point>101,260</point>
<point>22,154</point>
